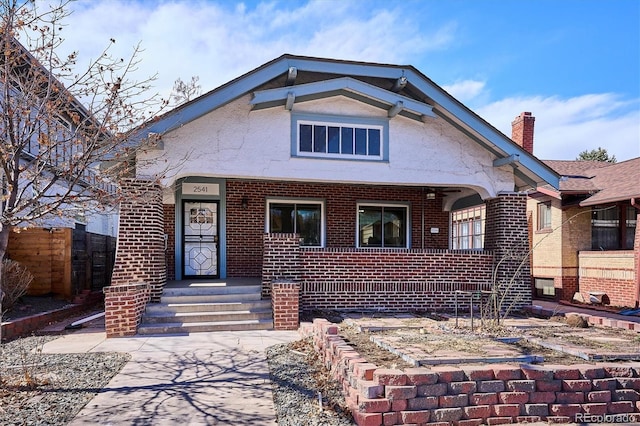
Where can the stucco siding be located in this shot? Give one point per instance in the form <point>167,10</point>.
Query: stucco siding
<point>234,141</point>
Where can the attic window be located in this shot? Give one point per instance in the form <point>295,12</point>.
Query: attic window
<point>339,137</point>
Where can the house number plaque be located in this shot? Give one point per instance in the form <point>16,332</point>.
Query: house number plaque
<point>189,188</point>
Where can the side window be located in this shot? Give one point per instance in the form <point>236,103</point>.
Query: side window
<point>544,216</point>
<point>467,228</point>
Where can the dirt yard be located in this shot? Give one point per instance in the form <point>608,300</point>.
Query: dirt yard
<point>400,341</point>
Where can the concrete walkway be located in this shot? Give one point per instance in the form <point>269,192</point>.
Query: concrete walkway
<point>198,379</point>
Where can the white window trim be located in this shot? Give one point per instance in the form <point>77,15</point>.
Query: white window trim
<point>323,214</point>
<point>340,121</point>
<point>407,206</point>
<point>471,216</point>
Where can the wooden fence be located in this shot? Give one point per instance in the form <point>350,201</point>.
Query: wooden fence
<point>63,261</point>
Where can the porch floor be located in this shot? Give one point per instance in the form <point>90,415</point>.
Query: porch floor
<point>208,282</point>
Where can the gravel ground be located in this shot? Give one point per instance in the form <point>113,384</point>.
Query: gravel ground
<point>49,389</point>
<point>297,375</point>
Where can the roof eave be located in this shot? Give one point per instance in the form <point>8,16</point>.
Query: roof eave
<point>528,168</point>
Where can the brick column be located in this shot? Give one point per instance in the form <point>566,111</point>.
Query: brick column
<point>285,300</point>
<point>506,234</point>
<point>140,255</point>
<point>124,305</point>
<point>281,260</point>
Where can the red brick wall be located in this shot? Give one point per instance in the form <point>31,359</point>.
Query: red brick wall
<point>619,292</point>
<point>397,280</point>
<point>477,394</point>
<point>350,278</point>
<point>170,230</point>
<point>568,287</point>
<point>245,227</point>
<point>140,256</point>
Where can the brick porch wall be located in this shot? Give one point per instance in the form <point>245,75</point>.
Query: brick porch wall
<point>506,234</point>
<point>397,280</point>
<point>245,228</point>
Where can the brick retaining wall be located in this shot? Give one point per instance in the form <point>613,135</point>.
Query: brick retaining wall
<point>25,326</point>
<point>479,394</point>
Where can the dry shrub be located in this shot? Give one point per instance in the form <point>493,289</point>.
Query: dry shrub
<point>575,320</point>
<point>15,282</point>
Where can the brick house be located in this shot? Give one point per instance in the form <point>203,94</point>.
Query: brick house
<point>584,235</point>
<point>366,184</point>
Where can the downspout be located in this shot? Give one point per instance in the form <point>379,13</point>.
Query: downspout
<point>636,256</point>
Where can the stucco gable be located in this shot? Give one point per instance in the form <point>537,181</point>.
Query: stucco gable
<point>378,84</point>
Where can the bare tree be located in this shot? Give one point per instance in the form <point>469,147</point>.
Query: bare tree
<point>64,131</point>
<point>184,92</point>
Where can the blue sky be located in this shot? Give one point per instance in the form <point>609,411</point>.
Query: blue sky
<point>575,64</point>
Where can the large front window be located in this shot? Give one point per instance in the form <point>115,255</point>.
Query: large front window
<point>382,226</point>
<point>293,217</point>
<point>467,228</point>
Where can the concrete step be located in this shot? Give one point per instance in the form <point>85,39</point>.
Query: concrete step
<point>193,317</point>
<point>204,289</point>
<point>181,328</point>
<point>207,307</point>
<point>168,308</point>
<point>211,298</point>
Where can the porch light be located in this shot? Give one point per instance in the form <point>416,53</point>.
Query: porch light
<point>244,203</point>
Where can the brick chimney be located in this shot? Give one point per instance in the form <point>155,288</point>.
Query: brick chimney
<point>522,131</point>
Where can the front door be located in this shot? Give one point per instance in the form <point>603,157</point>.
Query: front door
<point>200,255</point>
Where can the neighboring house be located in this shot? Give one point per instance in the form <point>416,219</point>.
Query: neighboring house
<point>70,250</point>
<point>366,183</point>
<point>584,235</point>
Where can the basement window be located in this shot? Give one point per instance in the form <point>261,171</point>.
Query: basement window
<point>545,288</point>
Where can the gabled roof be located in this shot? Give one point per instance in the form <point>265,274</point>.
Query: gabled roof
<point>400,89</point>
<point>600,181</point>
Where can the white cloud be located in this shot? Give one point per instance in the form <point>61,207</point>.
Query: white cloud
<point>466,90</point>
<point>565,127</point>
<point>219,41</point>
